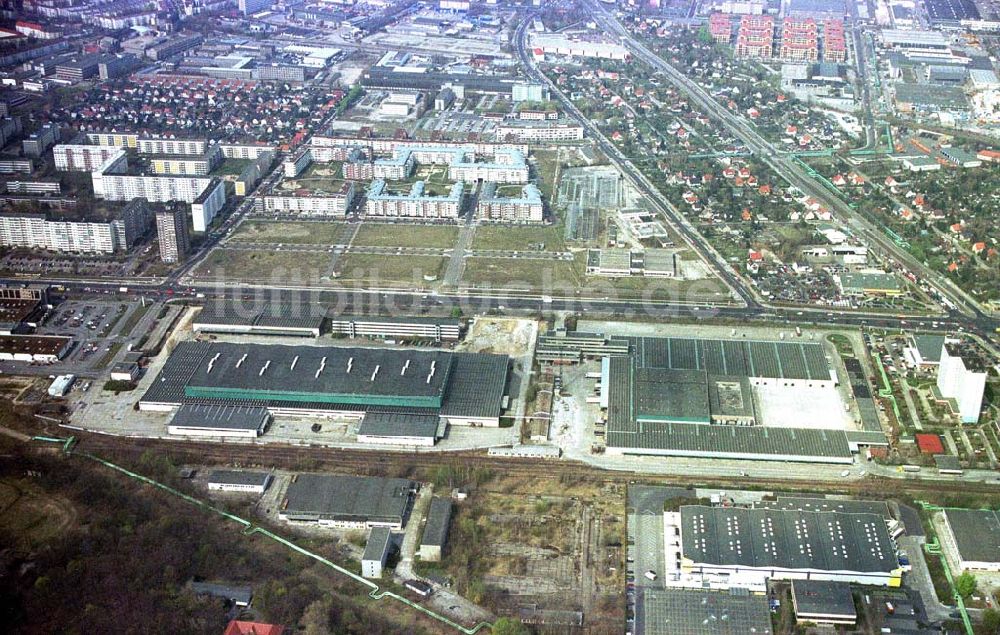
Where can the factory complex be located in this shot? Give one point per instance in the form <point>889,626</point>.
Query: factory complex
<point>399,396</point>
<point>722,547</point>
<point>709,398</point>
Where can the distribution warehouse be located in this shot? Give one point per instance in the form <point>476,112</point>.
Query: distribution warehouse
<point>715,398</point>
<point>400,389</point>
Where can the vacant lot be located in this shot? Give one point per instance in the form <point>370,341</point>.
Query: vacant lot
<point>291,232</point>
<point>432,236</point>
<point>263,266</point>
<point>552,277</point>
<point>547,238</point>
<point>377,270</point>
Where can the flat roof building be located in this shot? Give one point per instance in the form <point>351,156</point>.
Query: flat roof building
<point>974,535</point>
<point>219,420</point>
<point>394,428</point>
<point>754,545</point>
<point>674,611</point>
<point>376,552</point>
<point>270,319</point>
<point>667,395</point>
<point>347,501</point>
<point>823,602</point>
<point>46,349</point>
<point>406,327</point>
<point>238,481</point>
<point>436,530</point>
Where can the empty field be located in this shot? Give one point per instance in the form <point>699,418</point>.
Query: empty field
<point>377,270</point>
<point>430,236</point>
<point>547,238</point>
<point>263,266</point>
<point>548,276</point>
<point>289,232</point>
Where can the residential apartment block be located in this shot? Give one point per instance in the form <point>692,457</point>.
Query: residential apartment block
<point>37,231</point>
<point>383,204</point>
<point>526,208</point>
<point>335,204</point>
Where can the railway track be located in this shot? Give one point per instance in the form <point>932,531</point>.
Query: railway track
<point>389,463</point>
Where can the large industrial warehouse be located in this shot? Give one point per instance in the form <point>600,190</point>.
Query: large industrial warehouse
<point>426,388</point>
<point>710,398</point>
<point>746,547</point>
<point>348,501</point>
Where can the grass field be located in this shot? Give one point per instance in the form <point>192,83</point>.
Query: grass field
<point>290,232</point>
<point>263,266</point>
<point>377,270</point>
<point>658,289</point>
<point>378,235</point>
<point>518,238</point>
<point>547,276</point>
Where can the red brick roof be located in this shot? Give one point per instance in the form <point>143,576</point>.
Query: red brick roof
<point>930,444</point>
<point>237,627</point>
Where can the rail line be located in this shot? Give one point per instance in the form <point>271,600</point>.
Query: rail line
<point>376,462</point>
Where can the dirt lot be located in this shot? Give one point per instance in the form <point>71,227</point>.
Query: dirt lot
<point>556,543</point>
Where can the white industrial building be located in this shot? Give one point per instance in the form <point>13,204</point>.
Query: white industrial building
<point>61,385</point>
<point>376,552</point>
<point>726,547</point>
<point>556,44</point>
<point>962,377</point>
<point>529,131</point>
<point>238,481</point>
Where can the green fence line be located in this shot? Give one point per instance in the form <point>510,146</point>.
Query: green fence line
<point>935,549</point>
<point>249,529</point>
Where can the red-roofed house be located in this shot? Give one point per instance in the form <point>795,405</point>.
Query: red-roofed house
<point>978,247</point>
<point>237,627</point>
<point>930,443</point>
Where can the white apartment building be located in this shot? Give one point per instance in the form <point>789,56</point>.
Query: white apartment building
<point>244,150</point>
<point>526,208</point>
<point>335,204</point>
<point>188,165</point>
<point>295,165</point>
<point>35,231</point>
<point>208,204</point>
<point>71,157</point>
<point>114,139</point>
<point>962,377</point>
<point>196,147</point>
<point>381,204</point>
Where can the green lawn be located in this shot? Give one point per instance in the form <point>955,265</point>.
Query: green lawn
<point>289,232</point>
<point>377,270</point>
<point>382,235</point>
<point>519,238</point>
